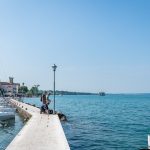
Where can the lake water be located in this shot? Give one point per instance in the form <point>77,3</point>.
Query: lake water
<point>103,122</point>
<point>8,132</point>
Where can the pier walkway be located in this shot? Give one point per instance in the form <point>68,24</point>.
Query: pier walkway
<point>41,132</point>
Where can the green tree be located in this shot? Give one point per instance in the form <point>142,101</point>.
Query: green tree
<point>34,91</point>
<point>23,89</point>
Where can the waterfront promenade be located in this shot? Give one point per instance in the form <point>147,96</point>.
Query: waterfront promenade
<point>41,132</point>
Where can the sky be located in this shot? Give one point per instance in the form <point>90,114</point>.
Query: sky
<point>98,45</point>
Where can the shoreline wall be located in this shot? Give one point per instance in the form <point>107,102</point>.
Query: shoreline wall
<point>22,111</point>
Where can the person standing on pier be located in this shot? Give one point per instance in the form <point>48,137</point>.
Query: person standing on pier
<point>48,101</point>
<point>44,107</point>
<point>45,102</point>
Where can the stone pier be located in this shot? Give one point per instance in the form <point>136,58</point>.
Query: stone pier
<point>41,132</point>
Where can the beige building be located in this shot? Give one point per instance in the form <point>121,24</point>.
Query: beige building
<point>9,88</point>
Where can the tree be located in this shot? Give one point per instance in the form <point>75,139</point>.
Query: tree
<point>34,90</point>
<point>23,89</point>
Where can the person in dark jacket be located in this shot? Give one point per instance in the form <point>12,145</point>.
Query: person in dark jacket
<point>44,107</point>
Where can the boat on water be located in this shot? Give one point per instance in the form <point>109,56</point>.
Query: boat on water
<point>7,116</point>
<point>6,111</point>
<point>102,93</point>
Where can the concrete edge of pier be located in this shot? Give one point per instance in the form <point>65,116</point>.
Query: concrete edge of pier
<point>41,132</point>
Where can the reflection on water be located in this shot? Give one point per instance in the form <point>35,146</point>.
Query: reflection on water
<point>7,123</point>
<point>8,130</point>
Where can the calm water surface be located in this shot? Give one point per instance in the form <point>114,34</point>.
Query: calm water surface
<point>105,123</point>
<point>98,123</point>
<point>8,132</point>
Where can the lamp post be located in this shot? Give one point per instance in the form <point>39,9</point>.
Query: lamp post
<point>54,69</point>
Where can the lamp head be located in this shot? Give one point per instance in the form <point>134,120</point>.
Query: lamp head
<point>54,67</point>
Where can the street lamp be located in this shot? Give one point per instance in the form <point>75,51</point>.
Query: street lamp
<point>54,69</point>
